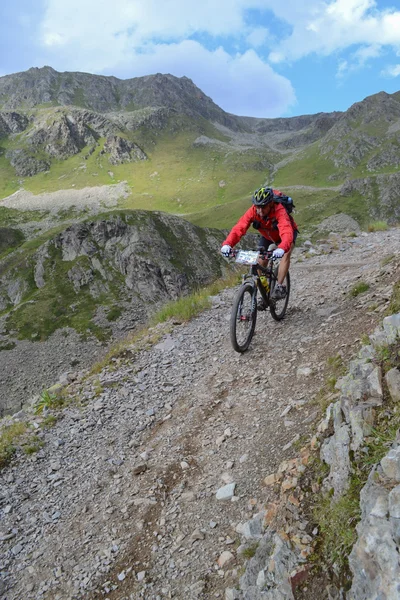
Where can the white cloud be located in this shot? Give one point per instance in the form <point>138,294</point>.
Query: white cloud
<point>342,69</point>
<point>242,84</point>
<point>138,38</point>
<point>391,71</point>
<point>357,60</point>
<point>129,35</point>
<point>143,21</point>
<point>339,24</point>
<point>257,37</point>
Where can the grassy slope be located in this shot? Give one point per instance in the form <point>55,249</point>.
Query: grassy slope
<point>175,177</point>
<point>182,179</point>
<point>311,208</point>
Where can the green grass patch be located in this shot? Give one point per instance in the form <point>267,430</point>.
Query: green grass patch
<point>33,445</point>
<point>9,438</point>
<point>394,304</point>
<point>380,440</point>
<point>389,356</point>
<point>183,309</point>
<point>10,217</point>
<point>187,307</point>
<point>49,421</point>
<point>309,167</point>
<point>378,226</point>
<point>10,239</point>
<point>7,345</point>
<point>358,289</point>
<point>387,260</point>
<point>336,369</point>
<point>250,551</point>
<point>336,521</point>
<point>114,313</point>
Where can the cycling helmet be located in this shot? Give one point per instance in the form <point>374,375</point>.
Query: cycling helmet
<point>263,196</point>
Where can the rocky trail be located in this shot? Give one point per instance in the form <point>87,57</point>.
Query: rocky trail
<point>128,496</point>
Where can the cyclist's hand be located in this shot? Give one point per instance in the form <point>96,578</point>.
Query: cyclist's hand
<point>278,253</point>
<point>226,250</point>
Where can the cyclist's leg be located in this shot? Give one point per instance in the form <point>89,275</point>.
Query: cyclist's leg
<point>285,261</point>
<point>263,244</point>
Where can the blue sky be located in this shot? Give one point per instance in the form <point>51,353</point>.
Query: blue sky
<point>264,58</point>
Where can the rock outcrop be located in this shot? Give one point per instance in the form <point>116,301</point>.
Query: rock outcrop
<point>122,150</point>
<point>129,263</point>
<point>381,194</point>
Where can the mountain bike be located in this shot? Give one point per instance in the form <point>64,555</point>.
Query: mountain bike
<point>258,279</point>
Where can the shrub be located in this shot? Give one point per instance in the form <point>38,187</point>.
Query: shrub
<point>48,400</point>
<point>359,288</point>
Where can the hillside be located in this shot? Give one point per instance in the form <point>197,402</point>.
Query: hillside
<point>181,153</point>
<point>67,294</point>
<point>118,492</point>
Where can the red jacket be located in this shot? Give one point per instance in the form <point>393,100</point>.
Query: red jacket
<point>278,227</point>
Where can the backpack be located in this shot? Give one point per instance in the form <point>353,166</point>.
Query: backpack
<point>286,201</point>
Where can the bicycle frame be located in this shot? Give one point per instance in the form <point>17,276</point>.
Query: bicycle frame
<point>254,276</point>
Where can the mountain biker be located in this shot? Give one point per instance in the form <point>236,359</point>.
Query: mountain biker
<point>274,225</point>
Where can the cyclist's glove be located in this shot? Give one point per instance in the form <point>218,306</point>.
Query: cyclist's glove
<point>226,250</point>
<point>278,253</point>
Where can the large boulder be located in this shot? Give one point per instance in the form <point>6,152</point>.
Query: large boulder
<point>340,223</point>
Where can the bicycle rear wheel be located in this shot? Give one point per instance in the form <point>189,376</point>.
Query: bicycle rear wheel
<point>243,317</point>
<point>278,307</point>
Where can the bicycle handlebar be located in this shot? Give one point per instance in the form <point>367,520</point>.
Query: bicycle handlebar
<point>263,253</point>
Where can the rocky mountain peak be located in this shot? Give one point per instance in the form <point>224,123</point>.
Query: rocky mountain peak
<point>100,93</point>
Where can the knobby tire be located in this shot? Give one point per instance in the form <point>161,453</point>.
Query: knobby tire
<point>243,317</point>
<point>278,307</point>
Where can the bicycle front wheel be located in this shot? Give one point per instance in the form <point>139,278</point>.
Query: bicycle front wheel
<point>278,307</point>
<point>243,317</point>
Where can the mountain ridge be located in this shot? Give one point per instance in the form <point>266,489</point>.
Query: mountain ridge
<point>102,93</point>
<point>177,149</point>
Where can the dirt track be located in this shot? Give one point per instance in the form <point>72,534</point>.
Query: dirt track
<point>189,415</point>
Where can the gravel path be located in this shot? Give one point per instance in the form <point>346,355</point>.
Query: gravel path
<point>120,502</point>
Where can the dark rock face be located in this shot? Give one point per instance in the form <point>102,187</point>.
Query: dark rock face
<point>122,150</point>
<point>138,257</point>
<point>10,238</point>
<point>61,133</point>
<point>381,193</point>
<point>12,122</point>
<point>27,164</point>
<point>64,133</point>
<point>102,94</point>
<point>148,249</point>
